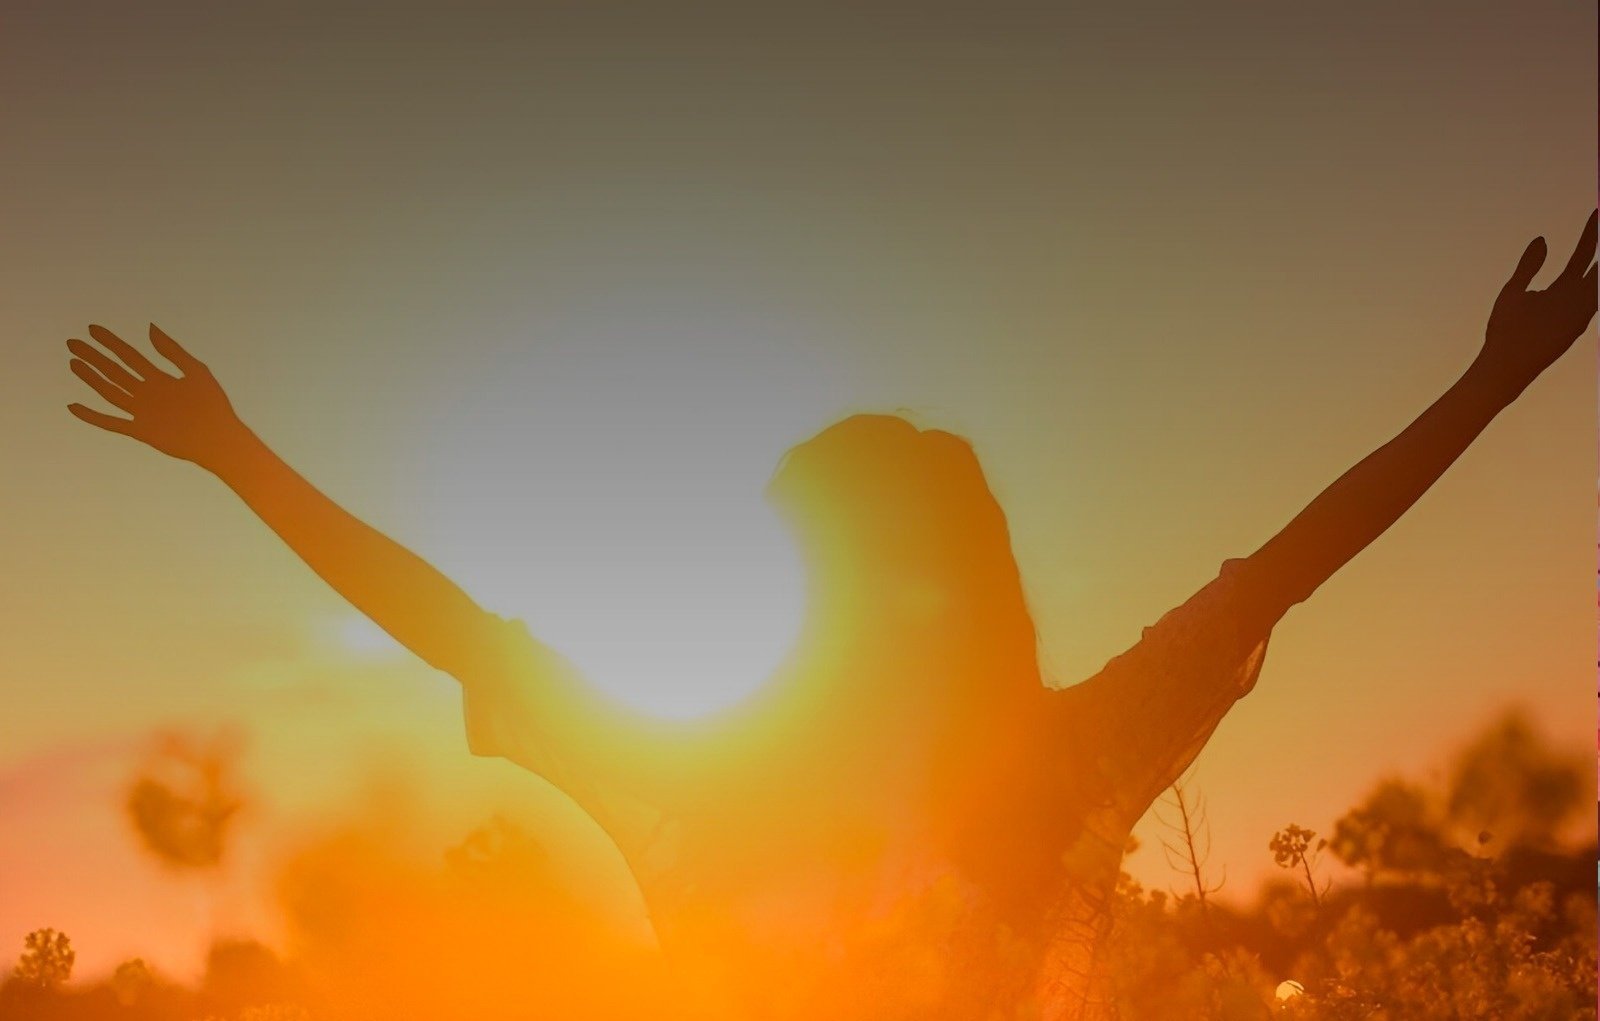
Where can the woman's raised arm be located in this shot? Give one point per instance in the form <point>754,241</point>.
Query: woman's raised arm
<point>1135,726</point>
<point>1527,332</point>
<point>188,416</point>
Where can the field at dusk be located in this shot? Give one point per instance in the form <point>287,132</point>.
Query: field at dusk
<point>836,510</point>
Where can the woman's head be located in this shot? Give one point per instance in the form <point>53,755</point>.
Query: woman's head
<point>888,501</point>
<point>912,577</point>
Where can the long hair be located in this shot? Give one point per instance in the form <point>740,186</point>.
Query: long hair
<point>914,587</point>
<point>934,688</point>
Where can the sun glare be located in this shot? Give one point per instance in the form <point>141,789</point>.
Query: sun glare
<point>362,638</point>
<point>610,493</point>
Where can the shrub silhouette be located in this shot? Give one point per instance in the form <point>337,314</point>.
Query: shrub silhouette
<point>1438,923</point>
<point>46,960</point>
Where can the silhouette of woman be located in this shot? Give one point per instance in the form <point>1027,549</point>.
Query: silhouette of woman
<point>906,821</point>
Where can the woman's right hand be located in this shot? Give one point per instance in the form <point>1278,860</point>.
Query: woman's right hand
<point>1529,330</point>
<point>187,416</point>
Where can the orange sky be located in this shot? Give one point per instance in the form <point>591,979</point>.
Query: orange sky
<point>477,275</point>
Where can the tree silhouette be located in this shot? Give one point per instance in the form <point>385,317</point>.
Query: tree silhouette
<point>131,981</point>
<point>183,802</point>
<point>47,959</point>
<point>1510,787</point>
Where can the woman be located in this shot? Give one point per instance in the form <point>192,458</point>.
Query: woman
<point>906,821</point>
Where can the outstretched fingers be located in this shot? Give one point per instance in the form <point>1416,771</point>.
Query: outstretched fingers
<point>129,354</point>
<point>174,352</point>
<point>100,420</point>
<point>114,395</point>
<point>1527,266</point>
<point>108,367</point>
<point>1583,253</point>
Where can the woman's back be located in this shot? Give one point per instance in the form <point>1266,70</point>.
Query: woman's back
<point>899,797</point>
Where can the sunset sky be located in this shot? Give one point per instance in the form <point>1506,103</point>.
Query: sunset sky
<point>546,290</point>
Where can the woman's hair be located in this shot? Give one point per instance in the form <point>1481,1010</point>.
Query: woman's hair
<point>935,693</point>
<point>910,556</point>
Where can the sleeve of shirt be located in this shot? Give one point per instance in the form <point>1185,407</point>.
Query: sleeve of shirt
<point>501,695</point>
<point>525,702</point>
<point>1152,709</point>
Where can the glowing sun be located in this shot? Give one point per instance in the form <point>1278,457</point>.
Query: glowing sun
<point>609,492</point>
